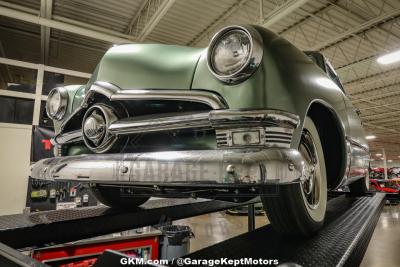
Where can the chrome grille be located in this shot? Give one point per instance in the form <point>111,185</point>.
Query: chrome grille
<point>278,136</point>
<point>269,137</point>
<point>222,138</point>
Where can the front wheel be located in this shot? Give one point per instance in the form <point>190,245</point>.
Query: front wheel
<point>299,209</point>
<point>116,196</point>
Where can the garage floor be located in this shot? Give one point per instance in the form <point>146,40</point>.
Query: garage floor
<point>383,249</point>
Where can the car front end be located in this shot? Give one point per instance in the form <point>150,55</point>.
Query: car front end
<point>147,119</point>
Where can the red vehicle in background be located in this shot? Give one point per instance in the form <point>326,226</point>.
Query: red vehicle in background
<point>386,186</point>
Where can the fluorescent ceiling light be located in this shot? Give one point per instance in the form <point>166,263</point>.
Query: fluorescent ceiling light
<point>370,137</point>
<point>389,58</point>
<point>389,160</point>
<point>382,158</point>
<point>378,155</point>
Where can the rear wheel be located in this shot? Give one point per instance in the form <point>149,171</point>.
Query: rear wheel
<point>116,196</point>
<point>299,209</point>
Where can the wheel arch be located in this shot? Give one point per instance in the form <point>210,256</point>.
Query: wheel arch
<point>332,135</point>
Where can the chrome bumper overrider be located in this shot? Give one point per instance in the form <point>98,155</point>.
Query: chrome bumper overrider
<point>211,167</point>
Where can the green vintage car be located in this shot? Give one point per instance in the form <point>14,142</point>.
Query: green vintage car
<point>249,115</point>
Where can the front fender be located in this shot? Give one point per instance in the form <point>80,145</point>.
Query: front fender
<point>285,80</point>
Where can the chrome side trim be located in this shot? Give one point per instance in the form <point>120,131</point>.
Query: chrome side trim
<point>211,99</point>
<point>158,124</point>
<point>242,118</point>
<point>359,161</point>
<point>215,119</point>
<point>272,166</point>
<point>357,144</point>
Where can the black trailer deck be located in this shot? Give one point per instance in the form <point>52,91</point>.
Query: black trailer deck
<point>342,242</point>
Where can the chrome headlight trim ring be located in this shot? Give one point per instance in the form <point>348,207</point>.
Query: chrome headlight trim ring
<point>253,61</point>
<point>61,110</point>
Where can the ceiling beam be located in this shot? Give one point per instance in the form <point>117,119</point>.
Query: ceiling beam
<point>204,33</point>
<point>66,20</point>
<point>271,18</point>
<point>51,23</point>
<point>365,60</point>
<point>136,16</point>
<point>306,19</point>
<point>379,127</point>
<point>374,78</point>
<point>380,106</point>
<point>282,11</point>
<point>354,30</point>
<point>155,19</point>
<point>46,10</point>
<point>380,96</point>
<point>66,42</point>
<point>357,14</point>
<point>372,116</point>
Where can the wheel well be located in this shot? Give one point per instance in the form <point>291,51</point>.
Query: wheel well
<point>332,137</point>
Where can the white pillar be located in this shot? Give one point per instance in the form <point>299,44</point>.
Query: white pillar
<point>384,163</point>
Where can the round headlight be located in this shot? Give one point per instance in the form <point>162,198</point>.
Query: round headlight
<point>56,104</point>
<point>235,53</point>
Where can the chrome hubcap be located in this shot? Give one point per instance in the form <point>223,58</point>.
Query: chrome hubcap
<point>94,127</point>
<point>312,182</point>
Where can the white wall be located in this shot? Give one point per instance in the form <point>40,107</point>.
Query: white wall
<point>15,149</point>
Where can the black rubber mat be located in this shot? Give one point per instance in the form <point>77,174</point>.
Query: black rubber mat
<point>348,228</point>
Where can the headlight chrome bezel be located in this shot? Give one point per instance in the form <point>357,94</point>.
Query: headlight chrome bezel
<point>60,112</point>
<point>253,61</point>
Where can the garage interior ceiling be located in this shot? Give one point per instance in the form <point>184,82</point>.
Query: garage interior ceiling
<point>75,34</point>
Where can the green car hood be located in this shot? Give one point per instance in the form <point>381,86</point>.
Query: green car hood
<point>155,66</point>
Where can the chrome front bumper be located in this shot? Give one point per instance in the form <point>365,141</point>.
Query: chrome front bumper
<point>211,167</point>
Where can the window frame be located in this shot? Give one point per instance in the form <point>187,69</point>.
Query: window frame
<point>37,95</point>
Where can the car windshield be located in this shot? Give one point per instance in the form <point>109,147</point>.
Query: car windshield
<point>333,75</point>
<point>325,65</point>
